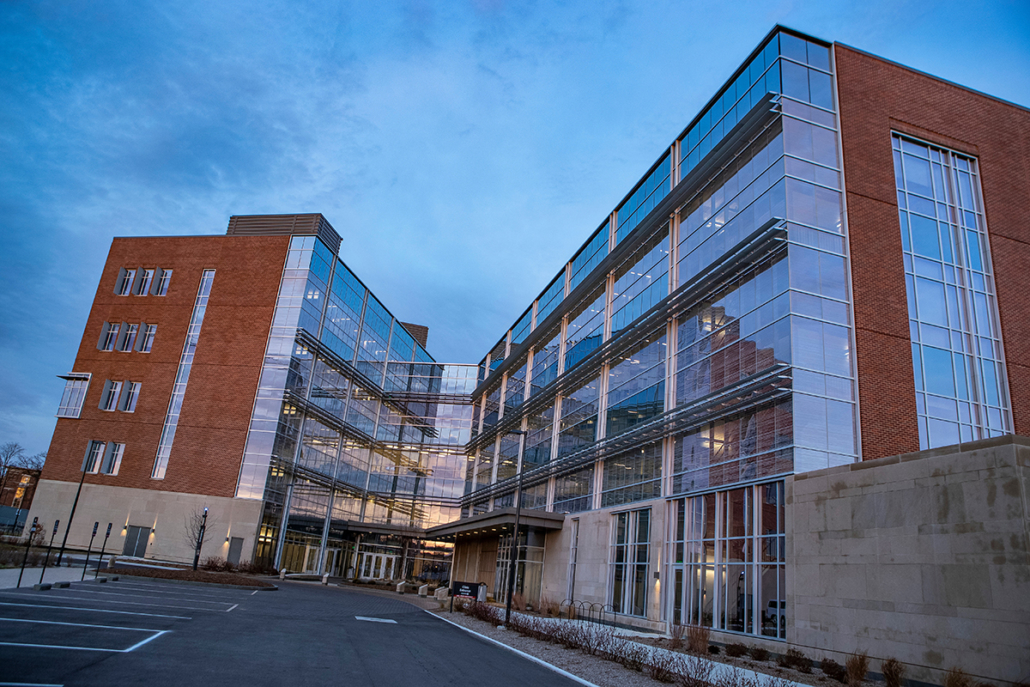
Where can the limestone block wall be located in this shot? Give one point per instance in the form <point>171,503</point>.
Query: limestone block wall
<point>163,511</point>
<point>924,557</point>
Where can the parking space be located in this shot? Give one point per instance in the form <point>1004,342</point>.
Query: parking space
<point>152,632</point>
<point>47,636</point>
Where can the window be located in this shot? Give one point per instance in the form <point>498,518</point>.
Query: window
<point>147,340</point>
<point>629,561</point>
<point>146,279</point>
<point>162,283</point>
<point>109,399</point>
<point>75,385</point>
<point>125,279</point>
<point>128,338</point>
<point>109,336</point>
<point>182,376</point>
<point>960,377</point>
<point>112,459</point>
<point>129,398</point>
<point>94,453</point>
<point>727,558</point>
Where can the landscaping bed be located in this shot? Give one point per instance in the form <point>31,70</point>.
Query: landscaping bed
<point>188,575</point>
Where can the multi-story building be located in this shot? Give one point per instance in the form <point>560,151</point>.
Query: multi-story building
<point>774,393</point>
<point>827,267</point>
<point>253,374</point>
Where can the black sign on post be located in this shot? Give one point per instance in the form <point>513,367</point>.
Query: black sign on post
<point>469,590</point>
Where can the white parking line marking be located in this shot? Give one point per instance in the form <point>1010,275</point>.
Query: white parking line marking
<point>142,596</point>
<point>94,610</point>
<point>148,639</point>
<point>229,609</point>
<point>133,603</point>
<point>168,589</point>
<point>28,684</point>
<point>58,622</point>
<point>375,620</point>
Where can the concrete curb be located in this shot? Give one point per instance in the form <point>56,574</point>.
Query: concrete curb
<point>532,658</point>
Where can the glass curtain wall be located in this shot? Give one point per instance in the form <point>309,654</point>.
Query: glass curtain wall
<point>353,423</point>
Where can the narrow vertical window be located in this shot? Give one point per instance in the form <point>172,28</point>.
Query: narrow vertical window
<point>147,340</point>
<point>75,386</point>
<point>94,453</point>
<point>125,279</point>
<point>146,279</point>
<point>112,459</point>
<point>129,398</point>
<point>109,399</point>
<point>128,338</point>
<point>109,337</point>
<point>162,283</point>
<point>182,376</point>
<point>629,562</point>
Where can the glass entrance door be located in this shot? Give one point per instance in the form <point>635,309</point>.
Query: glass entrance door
<point>378,566</point>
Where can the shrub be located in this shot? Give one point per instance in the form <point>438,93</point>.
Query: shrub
<point>956,677</point>
<point>660,666</point>
<point>518,602</point>
<point>759,653</point>
<point>633,655</point>
<point>893,672</point>
<point>796,660</point>
<point>697,639</point>
<point>736,649</point>
<point>735,678</point>
<point>834,670</point>
<point>549,607</point>
<point>676,637</point>
<point>857,665</point>
<point>713,650</point>
<point>694,671</point>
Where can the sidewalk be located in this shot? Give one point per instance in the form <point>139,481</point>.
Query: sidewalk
<point>9,576</point>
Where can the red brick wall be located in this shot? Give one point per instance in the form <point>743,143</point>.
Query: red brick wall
<point>12,482</point>
<point>212,427</point>
<point>877,97</point>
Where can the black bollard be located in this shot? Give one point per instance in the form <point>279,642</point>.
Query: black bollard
<point>49,546</point>
<point>88,549</point>
<point>28,545</point>
<point>102,549</point>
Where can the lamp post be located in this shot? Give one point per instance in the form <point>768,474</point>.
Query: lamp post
<point>513,555</point>
<point>200,539</point>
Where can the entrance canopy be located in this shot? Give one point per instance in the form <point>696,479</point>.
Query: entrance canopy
<point>495,523</point>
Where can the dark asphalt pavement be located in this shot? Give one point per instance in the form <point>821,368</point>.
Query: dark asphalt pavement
<point>156,633</point>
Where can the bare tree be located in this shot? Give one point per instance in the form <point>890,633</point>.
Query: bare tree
<point>10,454</point>
<point>33,462</point>
<point>192,525</point>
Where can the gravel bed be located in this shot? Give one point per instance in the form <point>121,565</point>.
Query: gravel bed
<point>607,673</point>
<point>591,668</point>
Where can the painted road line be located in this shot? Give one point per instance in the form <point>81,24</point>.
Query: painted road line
<point>374,620</point>
<point>94,610</point>
<point>131,603</point>
<point>59,622</point>
<point>142,596</point>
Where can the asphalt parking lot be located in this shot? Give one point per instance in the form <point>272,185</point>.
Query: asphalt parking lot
<point>143,631</point>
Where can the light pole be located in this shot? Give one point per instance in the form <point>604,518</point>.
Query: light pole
<point>513,555</point>
<point>200,539</point>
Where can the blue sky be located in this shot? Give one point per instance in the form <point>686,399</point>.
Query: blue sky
<point>463,150</point>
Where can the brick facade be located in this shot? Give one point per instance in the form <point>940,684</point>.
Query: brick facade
<point>216,410</point>
<point>875,98</point>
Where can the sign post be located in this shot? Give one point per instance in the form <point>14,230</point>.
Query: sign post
<point>88,549</point>
<point>28,545</point>
<point>102,549</point>
<point>49,546</point>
